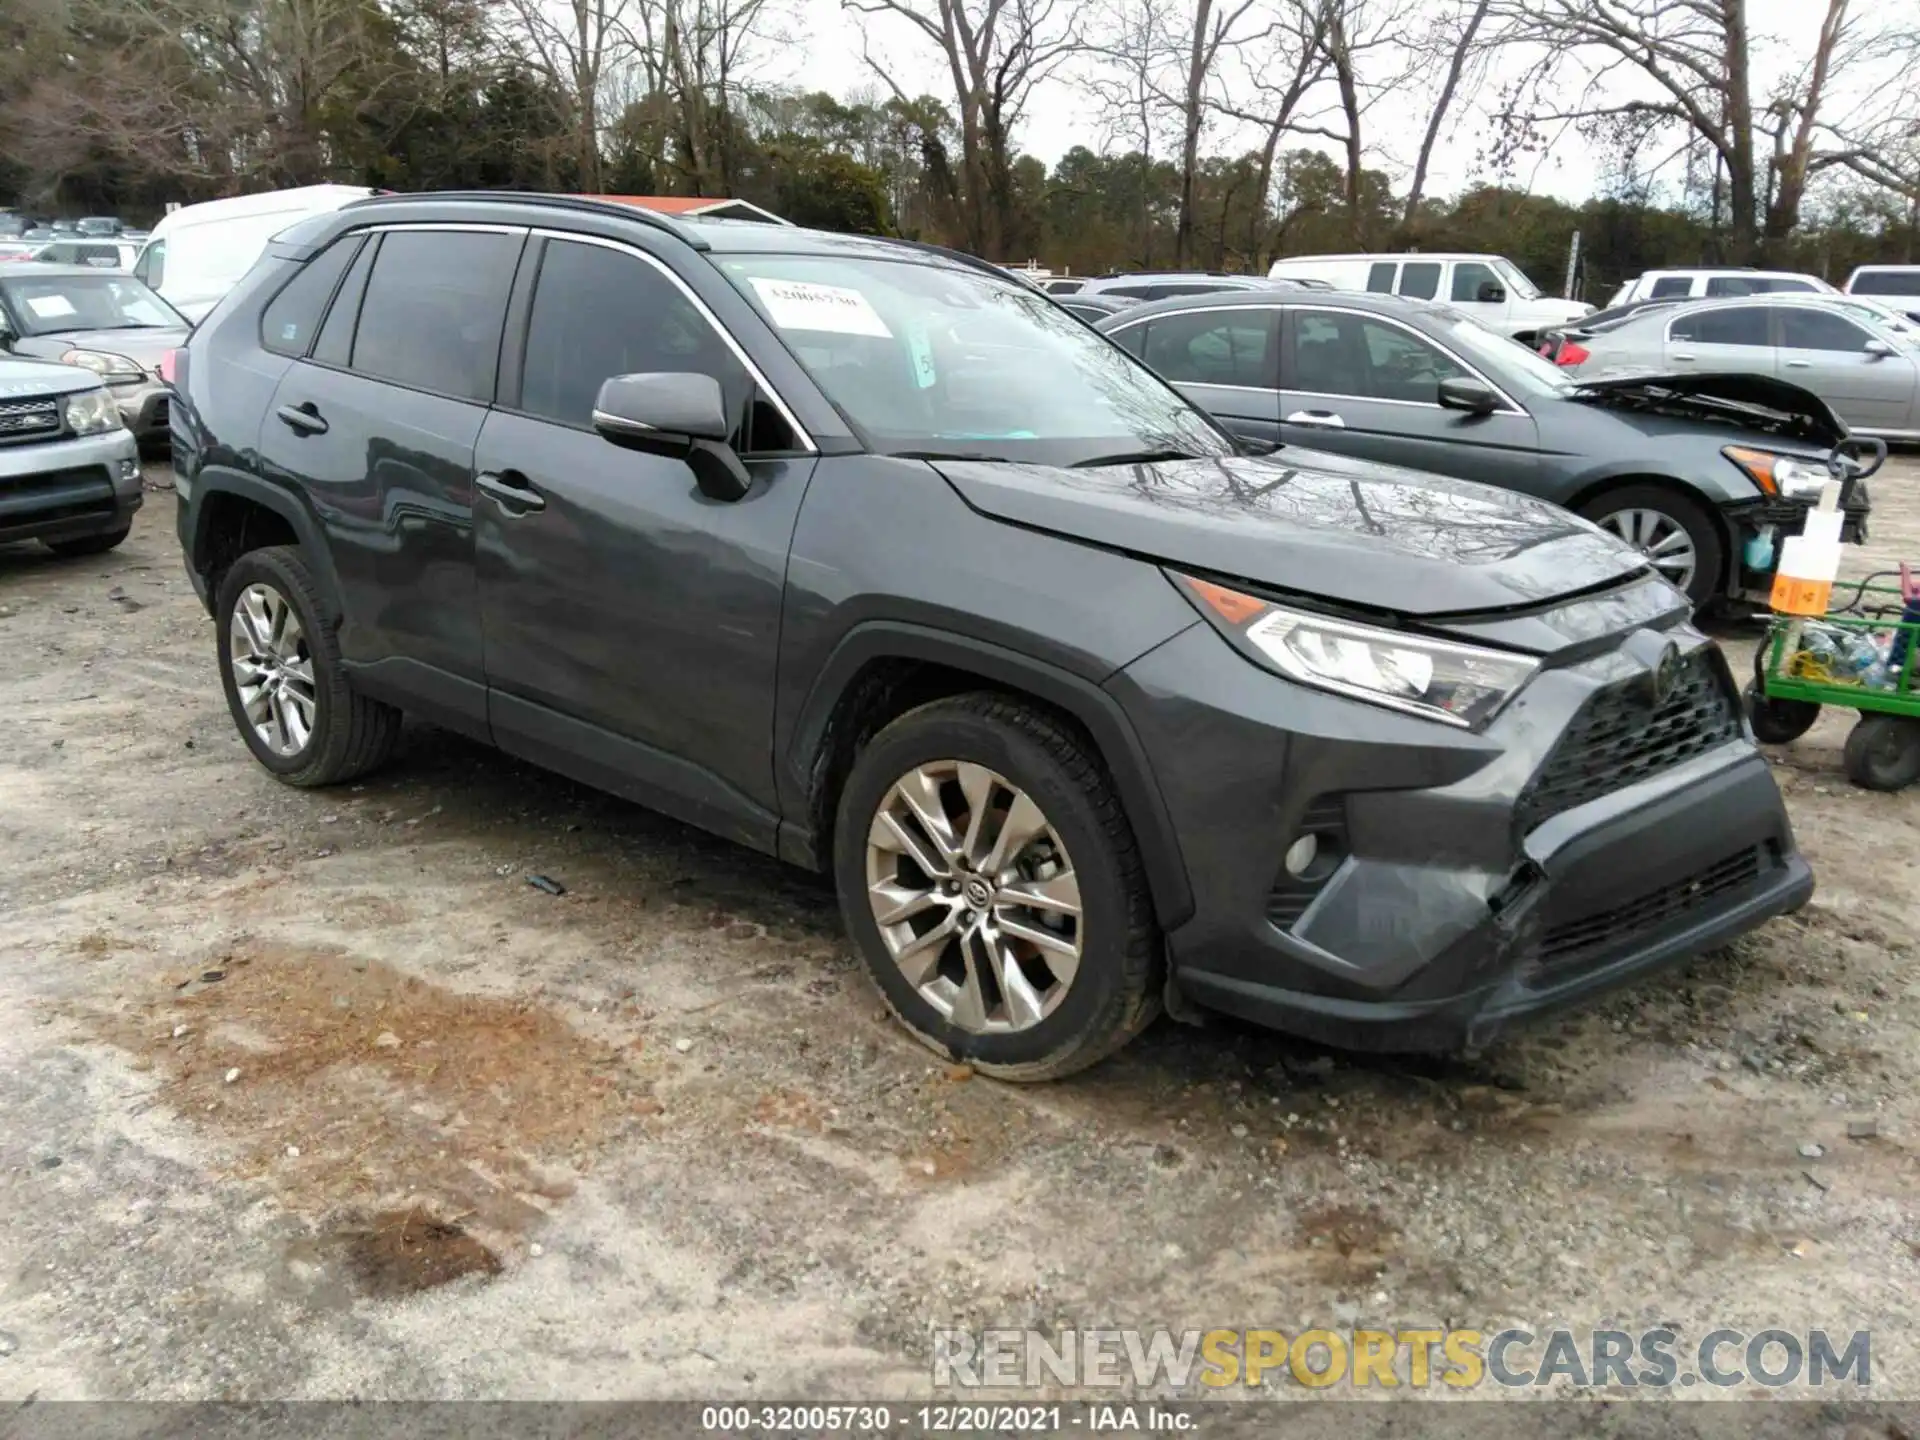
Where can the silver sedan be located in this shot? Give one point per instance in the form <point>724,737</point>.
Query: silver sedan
<point>1867,370</point>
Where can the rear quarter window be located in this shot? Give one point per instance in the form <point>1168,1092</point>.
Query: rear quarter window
<point>292,317</point>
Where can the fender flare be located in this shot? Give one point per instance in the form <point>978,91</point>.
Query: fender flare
<point>1097,712</point>
<point>306,526</point>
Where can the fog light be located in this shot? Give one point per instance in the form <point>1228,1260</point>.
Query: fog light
<point>129,469</point>
<point>1301,855</point>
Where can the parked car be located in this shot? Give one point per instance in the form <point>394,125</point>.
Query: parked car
<point>69,471</point>
<point>109,324</point>
<point>1093,308</point>
<point>40,235</point>
<point>1702,478</point>
<point>97,254</point>
<point>1867,372</point>
<point>64,227</point>
<point>97,225</point>
<point>1081,706</point>
<point>1491,288</point>
<point>1899,284</point>
<point>1563,346</point>
<point>198,253</point>
<point>14,251</point>
<point>1063,284</point>
<point>1714,283</point>
<point>13,226</point>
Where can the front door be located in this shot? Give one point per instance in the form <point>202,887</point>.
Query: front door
<point>376,425</point>
<point>1729,339</point>
<point>1361,384</point>
<point>632,624</point>
<point>1828,354</point>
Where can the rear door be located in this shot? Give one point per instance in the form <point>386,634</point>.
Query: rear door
<point>1225,360</point>
<point>377,420</point>
<point>1362,384</point>
<point>1735,338</point>
<point>1828,354</point>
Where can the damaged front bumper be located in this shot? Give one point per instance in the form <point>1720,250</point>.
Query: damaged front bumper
<point>1758,530</point>
<point>1588,837</point>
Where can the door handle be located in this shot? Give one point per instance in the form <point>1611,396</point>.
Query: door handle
<point>1324,418</point>
<point>512,490</point>
<point>1680,355</point>
<point>1799,364</point>
<point>303,419</point>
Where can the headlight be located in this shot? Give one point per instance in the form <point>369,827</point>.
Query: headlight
<point>92,412</point>
<point>1456,684</point>
<point>114,369</point>
<point>1787,476</point>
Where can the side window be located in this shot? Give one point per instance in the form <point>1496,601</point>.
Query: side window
<point>1886,282</point>
<point>1133,339</point>
<point>101,257</point>
<point>335,345</point>
<point>434,307</point>
<point>1401,366</point>
<point>1129,292</point>
<point>1338,353</point>
<point>1737,325</point>
<point>1216,347</point>
<point>1791,287</point>
<point>1468,277</point>
<point>291,319</point>
<point>152,265</point>
<point>1804,328</point>
<point>599,313</point>
<point>1734,285</point>
<point>1671,287</point>
<point>1421,280</point>
<point>1380,278</point>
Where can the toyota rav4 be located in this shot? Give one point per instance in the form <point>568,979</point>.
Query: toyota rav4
<point>863,554</point>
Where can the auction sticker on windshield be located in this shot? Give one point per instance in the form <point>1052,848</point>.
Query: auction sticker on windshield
<point>50,307</point>
<point>803,305</point>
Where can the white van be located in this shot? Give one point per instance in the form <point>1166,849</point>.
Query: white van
<point>1896,285</point>
<point>1490,288</point>
<point>199,252</point>
<point>1716,283</point>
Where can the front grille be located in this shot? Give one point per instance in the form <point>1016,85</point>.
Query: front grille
<point>22,420</point>
<point>1291,895</point>
<point>1592,936</point>
<point>1617,739</point>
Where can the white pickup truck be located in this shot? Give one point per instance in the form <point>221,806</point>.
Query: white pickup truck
<point>1490,288</point>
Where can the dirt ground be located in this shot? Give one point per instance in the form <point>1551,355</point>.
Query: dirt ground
<point>314,1094</point>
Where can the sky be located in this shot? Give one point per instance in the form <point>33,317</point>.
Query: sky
<point>1063,114</point>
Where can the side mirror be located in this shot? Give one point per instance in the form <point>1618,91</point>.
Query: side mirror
<point>1491,292</point>
<point>1460,392</point>
<point>676,413</point>
<point>1877,349</point>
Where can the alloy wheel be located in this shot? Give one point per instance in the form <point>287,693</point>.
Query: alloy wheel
<point>272,669</point>
<point>1659,537</point>
<point>975,896</point>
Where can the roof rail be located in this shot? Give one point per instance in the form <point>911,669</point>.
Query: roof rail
<point>584,203</point>
<point>972,262</point>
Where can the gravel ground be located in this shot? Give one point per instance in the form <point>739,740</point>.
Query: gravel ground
<point>313,1094</point>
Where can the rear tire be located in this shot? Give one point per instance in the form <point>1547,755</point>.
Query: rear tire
<point>1883,752</point>
<point>1778,722</point>
<point>319,731</point>
<point>997,758</point>
<point>89,544</point>
<point>1654,515</point>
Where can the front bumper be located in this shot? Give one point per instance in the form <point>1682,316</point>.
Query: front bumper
<point>1479,879</point>
<point>1759,528</point>
<point>69,489</point>
<point>145,409</point>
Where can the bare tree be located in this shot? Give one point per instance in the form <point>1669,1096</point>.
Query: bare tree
<point>1280,72</point>
<point>1639,65</point>
<point>1366,55</point>
<point>996,51</point>
<point>577,45</point>
<point>1461,38</point>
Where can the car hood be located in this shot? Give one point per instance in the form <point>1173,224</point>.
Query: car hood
<point>1760,402</point>
<point>21,378</point>
<point>1318,525</point>
<point>143,347</point>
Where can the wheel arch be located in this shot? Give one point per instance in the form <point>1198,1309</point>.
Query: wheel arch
<point>881,670</point>
<point>1593,489</point>
<point>235,513</point>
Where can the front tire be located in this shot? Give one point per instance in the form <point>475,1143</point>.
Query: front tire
<point>286,688</point>
<point>1678,537</point>
<point>989,876</point>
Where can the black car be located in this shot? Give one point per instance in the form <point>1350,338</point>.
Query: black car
<point>869,556</point>
<point>1704,474</point>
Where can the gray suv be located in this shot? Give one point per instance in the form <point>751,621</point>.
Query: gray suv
<point>869,556</point>
<point>69,469</point>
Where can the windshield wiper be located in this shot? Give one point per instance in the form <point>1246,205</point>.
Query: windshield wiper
<point>1132,457</point>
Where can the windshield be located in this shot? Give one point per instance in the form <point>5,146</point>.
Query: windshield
<point>51,304</point>
<point>1512,364</point>
<point>1517,282</point>
<point>938,361</point>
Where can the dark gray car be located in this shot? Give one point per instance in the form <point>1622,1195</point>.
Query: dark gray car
<point>1704,474</point>
<point>872,557</point>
